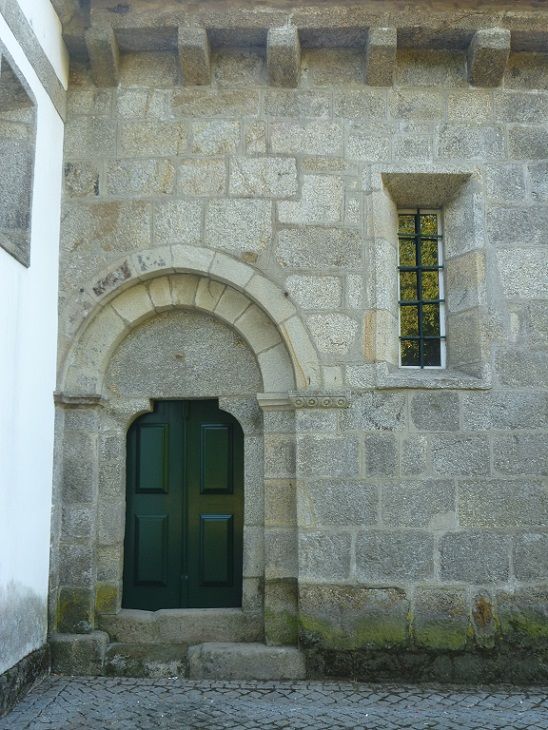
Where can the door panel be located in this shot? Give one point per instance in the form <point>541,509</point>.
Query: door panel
<point>184,520</point>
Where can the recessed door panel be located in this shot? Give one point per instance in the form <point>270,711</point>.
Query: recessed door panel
<point>152,456</point>
<point>216,547</point>
<point>216,459</point>
<point>151,533</point>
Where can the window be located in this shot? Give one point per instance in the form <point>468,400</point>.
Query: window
<point>421,293</point>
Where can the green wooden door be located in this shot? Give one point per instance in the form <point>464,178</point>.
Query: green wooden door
<point>184,520</point>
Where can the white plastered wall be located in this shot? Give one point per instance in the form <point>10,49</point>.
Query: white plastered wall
<point>28,340</point>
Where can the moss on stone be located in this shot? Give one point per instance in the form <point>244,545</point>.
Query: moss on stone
<point>281,628</point>
<point>438,636</point>
<point>368,633</point>
<point>106,598</point>
<point>74,611</point>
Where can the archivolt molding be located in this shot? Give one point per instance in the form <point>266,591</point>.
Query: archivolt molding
<point>178,276</point>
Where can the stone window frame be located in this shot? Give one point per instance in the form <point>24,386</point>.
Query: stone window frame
<point>18,111</point>
<point>458,194</point>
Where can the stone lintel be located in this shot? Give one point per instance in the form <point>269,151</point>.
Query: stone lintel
<point>380,56</point>
<point>194,56</point>
<point>487,56</point>
<point>283,56</point>
<point>104,55</point>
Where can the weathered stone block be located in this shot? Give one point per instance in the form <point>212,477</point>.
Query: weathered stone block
<point>521,454</point>
<point>466,104</point>
<point>416,105</point>
<point>530,554</point>
<point>366,146</point>
<point>352,617</point>
<point>503,410</point>
<point>306,138</point>
<point>151,139</point>
<point>290,103</point>
<point>465,281</point>
<point>283,56</point>
<point>476,557</point>
<point>381,454</point>
<point>315,292</point>
<point>146,177</point>
<point>89,138</point>
<point>523,616</point>
<point>333,333</point>
<point>321,456</point>
<point>233,103</point>
<point>379,411</point>
<point>74,611</point>
<point>487,56</point>
<point>245,661</point>
<point>324,556</point>
<point>279,507</point>
<point>380,56</point>
<point>153,661</point>
<point>414,455</point>
<point>428,504</point>
<point>435,411</point>
<point>516,367</point>
<point>464,142</point>
<point>502,503</point>
<point>78,654</point>
<point>279,455</point>
<point>460,455</point>
<point>177,222</point>
<point>522,269</point>
<point>239,225</point>
<point>527,142</point>
<point>387,556</point>
<point>430,67</point>
<point>202,177</point>
<point>75,563</point>
<point>440,619</point>
<point>317,248</point>
<point>538,181</point>
<point>82,179</point>
<point>215,137</point>
<point>280,612</point>
<point>265,177</point>
<point>345,503</point>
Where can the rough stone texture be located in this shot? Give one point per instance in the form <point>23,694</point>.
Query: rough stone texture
<point>487,56</point>
<point>245,661</point>
<point>17,681</point>
<point>78,653</point>
<point>104,55</point>
<point>283,56</point>
<point>194,56</point>
<point>380,56</point>
<point>135,660</point>
<point>422,502</point>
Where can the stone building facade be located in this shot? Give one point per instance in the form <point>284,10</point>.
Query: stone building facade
<point>233,177</point>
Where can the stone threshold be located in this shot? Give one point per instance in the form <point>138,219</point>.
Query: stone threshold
<point>182,626</point>
<point>17,681</point>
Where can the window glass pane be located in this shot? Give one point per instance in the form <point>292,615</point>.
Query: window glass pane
<point>408,285</point>
<point>407,224</point>
<point>409,321</point>
<point>429,224</point>
<point>430,285</point>
<point>431,353</point>
<point>410,353</point>
<point>429,253</point>
<point>407,253</point>
<point>430,320</point>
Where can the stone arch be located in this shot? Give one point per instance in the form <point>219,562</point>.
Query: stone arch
<point>190,277</point>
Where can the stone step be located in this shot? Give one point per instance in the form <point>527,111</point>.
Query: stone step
<point>157,661</point>
<point>182,626</point>
<point>219,660</point>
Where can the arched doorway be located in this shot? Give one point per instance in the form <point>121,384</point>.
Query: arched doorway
<point>185,508</point>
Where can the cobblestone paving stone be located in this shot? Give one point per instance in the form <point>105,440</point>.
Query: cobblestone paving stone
<point>71,703</point>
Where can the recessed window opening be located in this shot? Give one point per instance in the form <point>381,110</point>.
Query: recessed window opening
<point>421,290</point>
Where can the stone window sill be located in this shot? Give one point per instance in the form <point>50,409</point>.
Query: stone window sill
<point>389,376</point>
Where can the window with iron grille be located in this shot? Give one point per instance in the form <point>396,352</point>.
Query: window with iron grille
<point>421,293</point>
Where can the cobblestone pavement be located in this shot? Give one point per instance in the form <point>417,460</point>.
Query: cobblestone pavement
<point>64,703</point>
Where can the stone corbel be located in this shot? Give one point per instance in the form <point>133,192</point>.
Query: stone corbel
<point>274,401</point>
<point>487,56</point>
<point>104,55</point>
<point>194,56</point>
<point>283,56</point>
<point>380,56</point>
<point>67,400</point>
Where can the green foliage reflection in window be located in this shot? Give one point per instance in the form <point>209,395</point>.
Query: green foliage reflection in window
<point>422,325</point>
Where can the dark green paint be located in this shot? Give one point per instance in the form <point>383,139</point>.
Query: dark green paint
<point>184,521</point>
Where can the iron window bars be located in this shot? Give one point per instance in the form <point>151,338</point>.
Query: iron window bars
<point>421,293</point>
